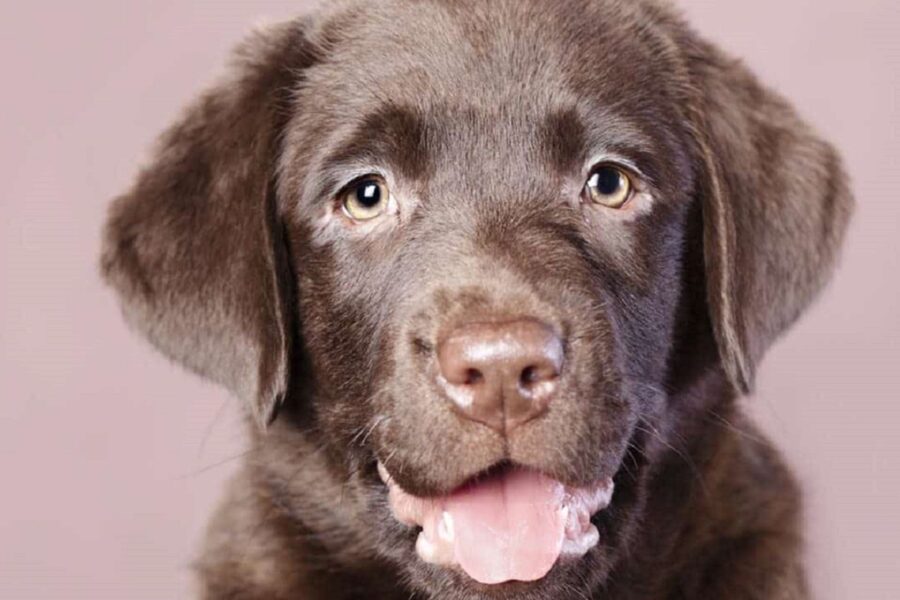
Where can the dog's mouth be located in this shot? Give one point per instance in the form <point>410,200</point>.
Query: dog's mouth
<point>511,524</point>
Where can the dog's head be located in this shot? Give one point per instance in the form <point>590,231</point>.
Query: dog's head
<point>485,249</point>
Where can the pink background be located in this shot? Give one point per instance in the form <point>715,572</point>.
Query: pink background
<point>111,458</point>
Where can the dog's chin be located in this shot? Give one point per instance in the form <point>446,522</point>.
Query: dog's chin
<point>507,530</point>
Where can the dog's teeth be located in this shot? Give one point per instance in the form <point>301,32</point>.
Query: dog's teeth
<point>445,527</point>
<point>571,522</point>
<point>434,551</point>
<point>577,522</point>
<point>584,519</point>
<point>580,544</point>
<point>382,472</point>
<point>426,549</point>
<point>604,497</point>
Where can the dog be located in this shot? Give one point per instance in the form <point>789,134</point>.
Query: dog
<point>490,278</point>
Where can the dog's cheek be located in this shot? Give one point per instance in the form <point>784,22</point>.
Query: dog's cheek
<point>633,335</point>
<point>335,333</point>
<point>643,292</point>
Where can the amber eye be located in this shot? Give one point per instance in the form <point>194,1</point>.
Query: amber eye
<point>365,199</point>
<point>608,185</point>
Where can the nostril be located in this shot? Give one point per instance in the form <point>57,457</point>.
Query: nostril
<point>529,377</point>
<point>473,377</point>
<point>534,375</point>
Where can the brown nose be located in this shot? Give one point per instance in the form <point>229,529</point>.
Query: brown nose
<point>501,374</point>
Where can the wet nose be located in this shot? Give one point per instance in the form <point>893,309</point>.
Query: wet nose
<point>501,374</point>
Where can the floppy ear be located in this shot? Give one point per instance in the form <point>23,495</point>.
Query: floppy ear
<point>195,249</point>
<point>775,204</point>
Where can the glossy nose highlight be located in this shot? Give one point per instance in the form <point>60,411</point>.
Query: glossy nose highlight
<point>501,374</point>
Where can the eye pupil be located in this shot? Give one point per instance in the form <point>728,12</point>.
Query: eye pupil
<point>368,194</point>
<point>607,181</point>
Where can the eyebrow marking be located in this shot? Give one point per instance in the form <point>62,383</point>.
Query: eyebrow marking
<point>391,135</point>
<point>573,142</point>
<point>563,139</point>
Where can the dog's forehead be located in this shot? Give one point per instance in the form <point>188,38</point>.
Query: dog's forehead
<point>436,55</point>
<point>521,52</point>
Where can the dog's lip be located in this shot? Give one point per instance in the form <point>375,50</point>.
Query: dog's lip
<point>434,517</point>
<point>385,476</point>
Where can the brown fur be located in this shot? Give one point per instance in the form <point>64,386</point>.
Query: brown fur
<point>227,256</point>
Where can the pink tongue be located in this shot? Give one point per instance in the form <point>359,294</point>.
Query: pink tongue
<point>509,527</point>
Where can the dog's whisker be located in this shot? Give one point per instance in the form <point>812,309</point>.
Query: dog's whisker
<point>682,454</point>
<point>722,421</point>
<point>212,424</point>
<point>221,463</point>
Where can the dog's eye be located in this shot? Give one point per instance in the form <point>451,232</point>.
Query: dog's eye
<point>366,199</point>
<point>608,185</point>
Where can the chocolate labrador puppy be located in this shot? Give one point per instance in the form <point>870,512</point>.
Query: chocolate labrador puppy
<point>502,269</point>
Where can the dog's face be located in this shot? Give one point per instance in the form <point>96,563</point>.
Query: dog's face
<point>476,250</point>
